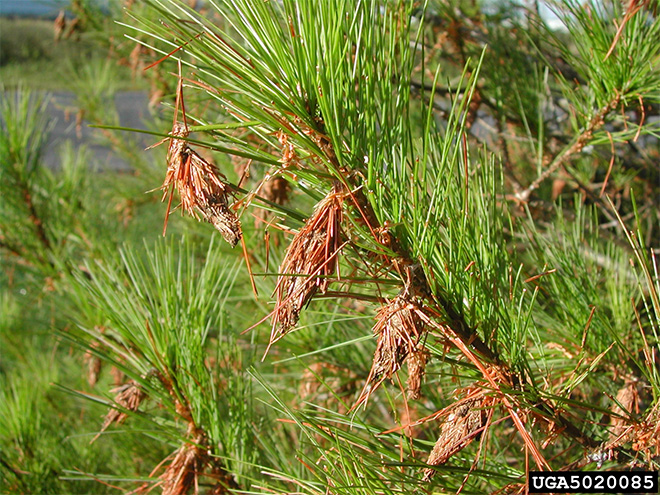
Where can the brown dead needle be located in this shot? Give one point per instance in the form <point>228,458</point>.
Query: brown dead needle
<point>275,189</point>
<point>399,330</point>
<point>184,470</point>
<point>201,187</point>
<point>129,396</point>
<point>464,421</point>
<point>309,261</point>
<point>416,362</point>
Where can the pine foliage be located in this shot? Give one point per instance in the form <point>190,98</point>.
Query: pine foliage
<point>436,266</point>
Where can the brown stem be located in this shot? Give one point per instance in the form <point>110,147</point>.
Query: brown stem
<point>465,333</point>
<point>471,339</point>
<point>36,221</point>
<point>11,249</point>
<point>567,426</point>
<point>578,144</point>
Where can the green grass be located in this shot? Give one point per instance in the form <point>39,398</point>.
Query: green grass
<point>29,56</point>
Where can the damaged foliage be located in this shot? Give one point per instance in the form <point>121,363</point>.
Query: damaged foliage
<point>464,421</point>
<point>201,187</point>
<point>310,260</point>
<point>129,397</point>
<point>400,332</point>
<point>187,465</point>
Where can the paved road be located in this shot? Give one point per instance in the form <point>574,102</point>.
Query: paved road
<point>133,112</point>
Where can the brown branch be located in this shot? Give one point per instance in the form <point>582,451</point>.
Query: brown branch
<point>36,221</point>
<point>578,144</point>
<point>12,249</point>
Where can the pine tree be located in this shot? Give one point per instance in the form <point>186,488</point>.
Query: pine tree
<point>435,267</point>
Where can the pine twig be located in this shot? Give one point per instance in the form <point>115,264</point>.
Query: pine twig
<point>12,249</point>
<point>579,143</point>
<point>36,220</point>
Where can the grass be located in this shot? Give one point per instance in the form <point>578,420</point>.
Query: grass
<point>29,56</point>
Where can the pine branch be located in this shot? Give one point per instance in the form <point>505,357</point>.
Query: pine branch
<point>579,142</point>
<point>11,248</point>
<point>35,219</point>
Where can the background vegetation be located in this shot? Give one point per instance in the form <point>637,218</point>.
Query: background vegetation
<point>31,55</point>
<point>444,219</point>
